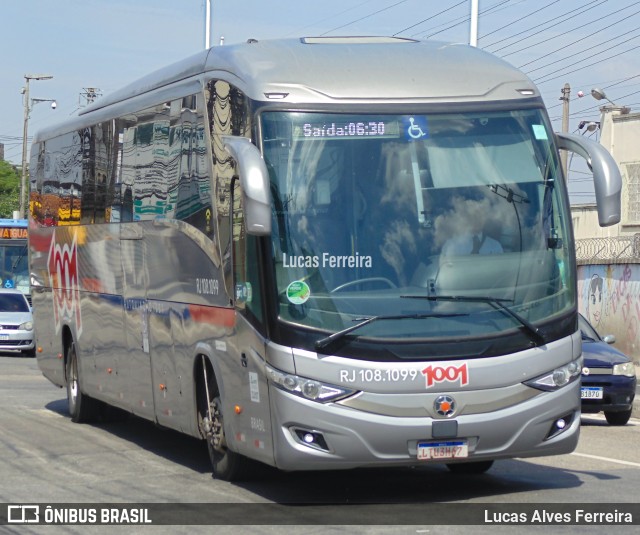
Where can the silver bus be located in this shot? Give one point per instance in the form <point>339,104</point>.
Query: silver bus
<point>317,253</point>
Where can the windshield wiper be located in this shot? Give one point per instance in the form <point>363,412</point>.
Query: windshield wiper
<point>324,342</point>
<point>533,331</point>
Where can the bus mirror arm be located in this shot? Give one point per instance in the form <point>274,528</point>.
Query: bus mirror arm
<point>254,180</point>
<point>606,175</point>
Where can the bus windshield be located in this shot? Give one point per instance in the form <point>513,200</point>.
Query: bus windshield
<point>442,225</point>
<point>14,268</point>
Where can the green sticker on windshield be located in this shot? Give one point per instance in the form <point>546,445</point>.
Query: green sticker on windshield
<point>298,292</point>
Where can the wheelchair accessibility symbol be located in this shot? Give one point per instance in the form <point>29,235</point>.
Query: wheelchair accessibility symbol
<point>416,127</point>
<point>9,284</point>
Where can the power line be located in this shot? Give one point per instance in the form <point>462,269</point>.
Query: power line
<point>579,9</point>
<point>604,86</point>
<point>457,21</point>
<point>596,107</point>
<point>590,57</point>
<point>431,17</point>
<point>466,19</point>
<point>583,66</point>
<point>297,32</point>
<point>365,17</point>
<point>576,41</point>
<point>624,80</point>
<point>518,20</point>
<point>570,30</point>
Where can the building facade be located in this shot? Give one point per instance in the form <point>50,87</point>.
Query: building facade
<point>609,257</point>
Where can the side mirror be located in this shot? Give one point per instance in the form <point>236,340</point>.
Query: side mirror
<point>606,175</point>
<point>254,180</point>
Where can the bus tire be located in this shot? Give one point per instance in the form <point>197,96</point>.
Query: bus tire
<point>82,408</point>
<point>477,467</point>
<point>227,465</point>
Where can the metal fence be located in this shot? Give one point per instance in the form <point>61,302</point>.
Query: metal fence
<point>614,250</point>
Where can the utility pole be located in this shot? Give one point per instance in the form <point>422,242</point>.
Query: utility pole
<point>207,24</point>
<point>473,28</point>
<point>566,92</point>
<point>27,111</point>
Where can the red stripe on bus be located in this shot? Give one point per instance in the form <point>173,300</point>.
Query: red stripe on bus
<point>213,315</point>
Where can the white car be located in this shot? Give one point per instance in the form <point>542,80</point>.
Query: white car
<point>16,323</point>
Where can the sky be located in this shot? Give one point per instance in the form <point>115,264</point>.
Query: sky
<point>107,44</point>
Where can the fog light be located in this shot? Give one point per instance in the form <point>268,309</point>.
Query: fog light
<point>313,439</point>
<point>560,425</point>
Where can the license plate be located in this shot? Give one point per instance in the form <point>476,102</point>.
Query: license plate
<point>591,392</point>
<point>4,337</point>
<point>450,449</point>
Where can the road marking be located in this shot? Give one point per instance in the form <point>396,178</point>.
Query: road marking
<point>47,412</point>
<point>608,459</point>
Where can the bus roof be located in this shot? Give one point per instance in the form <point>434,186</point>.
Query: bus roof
<point>348,70</point>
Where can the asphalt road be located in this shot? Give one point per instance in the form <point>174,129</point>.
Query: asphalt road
<point>48,459</point>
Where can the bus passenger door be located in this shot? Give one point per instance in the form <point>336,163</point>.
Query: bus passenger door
<point>252,427</point>
<point>134,366</point>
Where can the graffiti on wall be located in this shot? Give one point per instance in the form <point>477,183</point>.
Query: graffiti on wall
<point>609,297</point>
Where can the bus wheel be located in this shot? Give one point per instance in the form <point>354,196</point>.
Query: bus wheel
<point>227,465</point>
<point>81,407</point>
<point>478,467</point>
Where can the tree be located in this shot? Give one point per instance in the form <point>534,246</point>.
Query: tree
<point>9,189</point>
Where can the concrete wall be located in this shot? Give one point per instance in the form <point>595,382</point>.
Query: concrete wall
<point>585,223</point>
<point>620,132</point>
<point>609,297</point>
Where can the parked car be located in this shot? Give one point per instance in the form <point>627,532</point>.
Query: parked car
<point>16,323</point>
<point>608,377</point>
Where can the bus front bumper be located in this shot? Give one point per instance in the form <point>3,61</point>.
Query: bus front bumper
<point>316,436</point>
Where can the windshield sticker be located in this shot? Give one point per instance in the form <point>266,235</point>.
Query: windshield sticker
<point>326,261</point>
<point>244,292</point>
<point>539,131</point>
<point>415,128</point>
<point>298,292</point>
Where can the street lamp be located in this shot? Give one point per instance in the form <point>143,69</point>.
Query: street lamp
<point>28,105</point>
<point>591,126</point>
<point>599,94</point>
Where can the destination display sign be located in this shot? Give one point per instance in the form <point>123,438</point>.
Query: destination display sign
<point>13,233</point>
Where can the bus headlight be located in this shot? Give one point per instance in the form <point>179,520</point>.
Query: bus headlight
<point>557,378</point>
<point>626,368</point>
<point>306,388</point>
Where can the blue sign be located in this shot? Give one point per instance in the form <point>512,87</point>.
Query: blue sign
<point>415,127</point>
